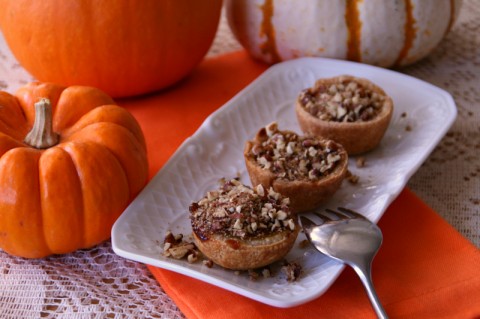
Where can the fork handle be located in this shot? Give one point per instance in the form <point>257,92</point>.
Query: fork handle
<point>364,271</point>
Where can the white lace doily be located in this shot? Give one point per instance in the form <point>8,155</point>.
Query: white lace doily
<point>96,283</point>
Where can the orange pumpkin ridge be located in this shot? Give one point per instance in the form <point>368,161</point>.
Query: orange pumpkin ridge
<point>267,29</point>
<point>21,222</point>
<point>452,16</point>
<point>62,202</point>
<point>354,26</point>
<point>410,33</point>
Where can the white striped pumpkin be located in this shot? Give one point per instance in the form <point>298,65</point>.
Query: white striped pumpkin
<point>387,33</point>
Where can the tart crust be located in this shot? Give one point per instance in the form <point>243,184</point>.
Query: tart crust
<point>304,194</point>
<point>356,137</point>
<point>238,254</point>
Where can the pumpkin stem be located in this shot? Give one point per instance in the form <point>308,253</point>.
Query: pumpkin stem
<point>42,134</point>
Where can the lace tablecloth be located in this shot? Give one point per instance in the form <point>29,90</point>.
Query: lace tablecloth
<point>96,283</point>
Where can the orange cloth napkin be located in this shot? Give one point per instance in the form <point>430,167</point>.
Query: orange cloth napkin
<point>425,269</point>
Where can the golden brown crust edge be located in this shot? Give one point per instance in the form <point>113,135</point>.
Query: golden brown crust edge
<point>304,195</point>
<point>239,254</point>
<point>357,137</point>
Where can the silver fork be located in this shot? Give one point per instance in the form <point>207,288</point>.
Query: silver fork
<point>349,237</point>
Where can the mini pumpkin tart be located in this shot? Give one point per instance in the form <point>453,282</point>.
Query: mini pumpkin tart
<point>308,170</point>
<point>352,111</point>
<point>239,227</point>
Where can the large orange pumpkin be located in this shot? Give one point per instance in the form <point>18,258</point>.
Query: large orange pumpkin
<point>123,47</point>
<point>70,162</point>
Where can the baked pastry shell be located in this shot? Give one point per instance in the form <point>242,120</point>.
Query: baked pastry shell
<point>356,137</point>
<point>243,254</point>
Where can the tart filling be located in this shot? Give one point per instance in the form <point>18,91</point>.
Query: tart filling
<point>238,211</point>
<point>344,100</point>
<point>293,157</point>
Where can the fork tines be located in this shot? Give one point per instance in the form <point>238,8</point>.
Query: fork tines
<point>339,214</point>
<point>328,215</point>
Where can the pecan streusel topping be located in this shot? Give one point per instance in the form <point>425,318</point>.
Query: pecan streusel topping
<point>345,100</point>
<point>236,210</point>
<point>293,157</point>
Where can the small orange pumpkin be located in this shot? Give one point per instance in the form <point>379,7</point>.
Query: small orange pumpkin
<point>70,162</point>
<point>123,47</point>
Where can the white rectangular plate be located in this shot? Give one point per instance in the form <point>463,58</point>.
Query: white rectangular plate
<point>216,151</point>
